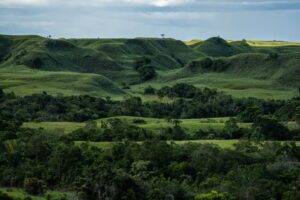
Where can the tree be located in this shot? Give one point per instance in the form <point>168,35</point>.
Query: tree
<point>34,186</point>
<point>250,114</point>
<point>243,183</point>
<point>147,73</point>
<point>149,90</point>
<point>176,122</point>
<point>270,129</point>
<point>232,129</point>
<point>1,92</point>
<point>297,116</point>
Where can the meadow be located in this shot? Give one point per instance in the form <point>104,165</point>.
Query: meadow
<point>224,144</point>
<point>153,124</point>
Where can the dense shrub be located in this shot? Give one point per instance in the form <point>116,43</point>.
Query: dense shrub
<point>4,196</point>
<point>34,186</point>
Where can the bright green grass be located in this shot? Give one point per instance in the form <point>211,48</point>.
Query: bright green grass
<point>25,81</point>
<point>221,143</point>
<point>272,43</point>
<point>154,124</point>
<point>236,86</point>
<point>255,43</point>
<point>66,127</point>
<point>18,193</point>
<point>190,125</point>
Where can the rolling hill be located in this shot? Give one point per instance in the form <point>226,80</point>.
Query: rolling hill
<point>101,67</point>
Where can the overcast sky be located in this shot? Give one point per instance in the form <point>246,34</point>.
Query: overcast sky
<point>180,19</point>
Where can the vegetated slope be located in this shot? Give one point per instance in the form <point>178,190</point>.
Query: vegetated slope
<point>281,68</point>
<point>212,63</point>
<point>218,47</point>
<point>24,81</point>
<point>47,54</point>
<point>112,58</point>
<point>92,55</point>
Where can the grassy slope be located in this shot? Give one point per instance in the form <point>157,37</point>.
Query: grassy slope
<point>24,81</point>
<point>248,76</point>
<point>20,194</point>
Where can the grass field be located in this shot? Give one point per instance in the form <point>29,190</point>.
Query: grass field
<point>20,194</point>
<point>25,81</point>
<point>154,124</point>
<point>66,127</point>
<point>221,143</point>
<point>260,43</point>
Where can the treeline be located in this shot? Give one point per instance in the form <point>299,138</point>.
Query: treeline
<point>153,170</point>
<point>188,102</point>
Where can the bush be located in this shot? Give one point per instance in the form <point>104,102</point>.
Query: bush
<point>270,129</point>
<point>34,186</point>
<point>139,121</point>
<point>4,196</point>
<point>149,90</point>
<point>147,73</point>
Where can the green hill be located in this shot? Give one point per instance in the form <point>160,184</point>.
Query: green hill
<point>30,64</point>
<point>218,47</point>
<point>280,68</point>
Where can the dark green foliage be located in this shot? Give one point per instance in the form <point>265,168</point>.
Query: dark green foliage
<point>34,186</point>
<point>151,170</point>
<point>4,196</point>
<point>179,90</point>
<point>145,69</point>
<point>273,56</point>
<point>208,65</point>
<point>270,128</point>
<point>149,90</point>
<point>232,129</point>
<point>139,121</point>
<point>141,62</point>
<point>250,114</point>
<point>112,130</point>
<point>191,102</point>
<point>1,93</point>
<point>147,73</point>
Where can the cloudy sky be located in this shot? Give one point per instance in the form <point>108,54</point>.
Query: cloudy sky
<point>181,19</point>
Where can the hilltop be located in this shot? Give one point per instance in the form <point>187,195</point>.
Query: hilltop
<point>113,67</point>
